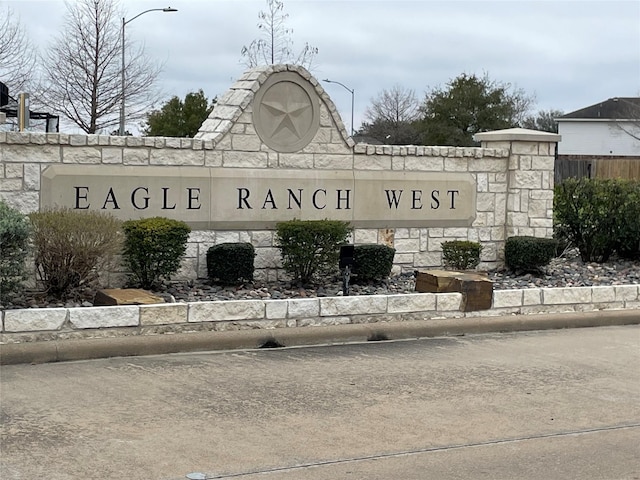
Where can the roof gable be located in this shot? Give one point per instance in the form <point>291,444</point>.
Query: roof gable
<point>617,108</point>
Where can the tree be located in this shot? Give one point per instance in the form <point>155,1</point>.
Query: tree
<point>468,105</point>
<point>629,121</point>
<point>391,117</point>
<point>82,69</point>
<point>17,55</point>
<point>276,45</point>
<point>179,119</point>
<point>544,121</point>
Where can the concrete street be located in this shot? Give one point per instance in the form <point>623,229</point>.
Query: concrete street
<point>561,404</point>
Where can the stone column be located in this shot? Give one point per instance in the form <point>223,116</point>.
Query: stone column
<point>529,179</point>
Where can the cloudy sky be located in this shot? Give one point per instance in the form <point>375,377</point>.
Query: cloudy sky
<point>569,54</point>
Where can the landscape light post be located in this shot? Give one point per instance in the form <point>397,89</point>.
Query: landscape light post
<point>124,23</point>
<point>353,94</point>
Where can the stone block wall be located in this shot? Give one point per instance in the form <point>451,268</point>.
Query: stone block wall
<point>44,324</point>
<point>514,182</point>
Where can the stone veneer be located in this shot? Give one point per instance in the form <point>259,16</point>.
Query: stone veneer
<point>41,324</point>
<point>513,170</point>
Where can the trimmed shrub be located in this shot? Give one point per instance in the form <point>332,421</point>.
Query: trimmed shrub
<point>373,261</point>
<point>72,248</point>
<point>600,216</point>
<point>154,248</point>
<point>529,254</point>
<point>310,248</point>
<point>461,254</point>
<point>230,263</point>
<point>15,230</point>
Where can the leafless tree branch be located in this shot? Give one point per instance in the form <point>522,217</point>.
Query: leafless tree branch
<point>82,69</point>
<point>276,44</point>
<point>17,55</point>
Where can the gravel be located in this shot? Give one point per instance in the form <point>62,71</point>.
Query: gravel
<point>567,271</point>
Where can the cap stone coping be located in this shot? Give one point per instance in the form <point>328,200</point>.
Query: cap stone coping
<point>507,298</point>
<point>413,302</point>
<point>34,319</point>
<point>358,305</point>
<point>567,295</point>
<point>225,311</point>
<point>446,302</point>
<point>276,309</point>
<point>165,314</point>
<point>102,317</point>
<point>517,134</point>
<point>626,293</point>
<point>308,307</point>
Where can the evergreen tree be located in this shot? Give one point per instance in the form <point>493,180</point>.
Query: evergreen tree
<point>177,118</point>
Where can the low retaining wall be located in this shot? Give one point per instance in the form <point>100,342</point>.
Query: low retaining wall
<point>42,324</point>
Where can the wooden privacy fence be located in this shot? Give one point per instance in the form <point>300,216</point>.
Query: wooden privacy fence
<point>592,167</point>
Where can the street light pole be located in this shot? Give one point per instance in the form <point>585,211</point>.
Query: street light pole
<point>124,23</point>
<point>352,91</point>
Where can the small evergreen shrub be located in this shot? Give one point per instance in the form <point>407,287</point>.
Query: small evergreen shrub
<point>529,254</point>
<point>628,231</point>
<point>600,216</point>
<point>154,248</point>
<point>310,248</point>
<point>15,230</point>
<point>372,261</point>
<point>461,254</point>
<point>72,247</point>
<point>230,263</point>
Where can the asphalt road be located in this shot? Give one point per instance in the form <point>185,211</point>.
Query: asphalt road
<point>549,405</point>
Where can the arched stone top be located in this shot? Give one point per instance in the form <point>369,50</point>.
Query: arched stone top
<point>286,115</point>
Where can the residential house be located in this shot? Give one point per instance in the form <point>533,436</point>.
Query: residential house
<point>602,140</point>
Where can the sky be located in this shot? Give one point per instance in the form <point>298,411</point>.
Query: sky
<point>568,54</point>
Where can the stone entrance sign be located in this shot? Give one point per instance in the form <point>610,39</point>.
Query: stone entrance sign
<point>227,198</point>
<point>275,148</point>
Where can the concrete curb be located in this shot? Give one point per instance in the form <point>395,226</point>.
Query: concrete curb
<point>84,349</point>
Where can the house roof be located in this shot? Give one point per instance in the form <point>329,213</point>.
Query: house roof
<point>617,108</point>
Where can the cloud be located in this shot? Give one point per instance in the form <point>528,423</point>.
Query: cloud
<point>569,53</point>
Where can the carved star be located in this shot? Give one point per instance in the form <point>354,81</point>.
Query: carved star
<point>286,115</point>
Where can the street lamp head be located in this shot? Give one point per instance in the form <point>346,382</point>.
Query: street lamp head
<point>353,94</point>
<point>169,9</point>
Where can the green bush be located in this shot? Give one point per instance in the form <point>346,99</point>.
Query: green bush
<point>230,263</point>
<point>628,225</point>
<point>154,248</point>
<point>599,215</point>
<point>529,254</point>
<point>372,261</point>
<point>561,236</point>
<point>72,248</point>
<point>310,248</point>
<point>15,230</point>
<point>461,254</point>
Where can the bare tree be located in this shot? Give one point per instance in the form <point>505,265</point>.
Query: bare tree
<point>17,55</point>
<point>629,121</point>
<point>395,105</point>
<point>544,120</point>
<point>276,44</point>
<point>391,117</point>
<point>82,69</point>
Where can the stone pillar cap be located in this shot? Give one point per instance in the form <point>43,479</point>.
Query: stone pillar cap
<point>517,134</point>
